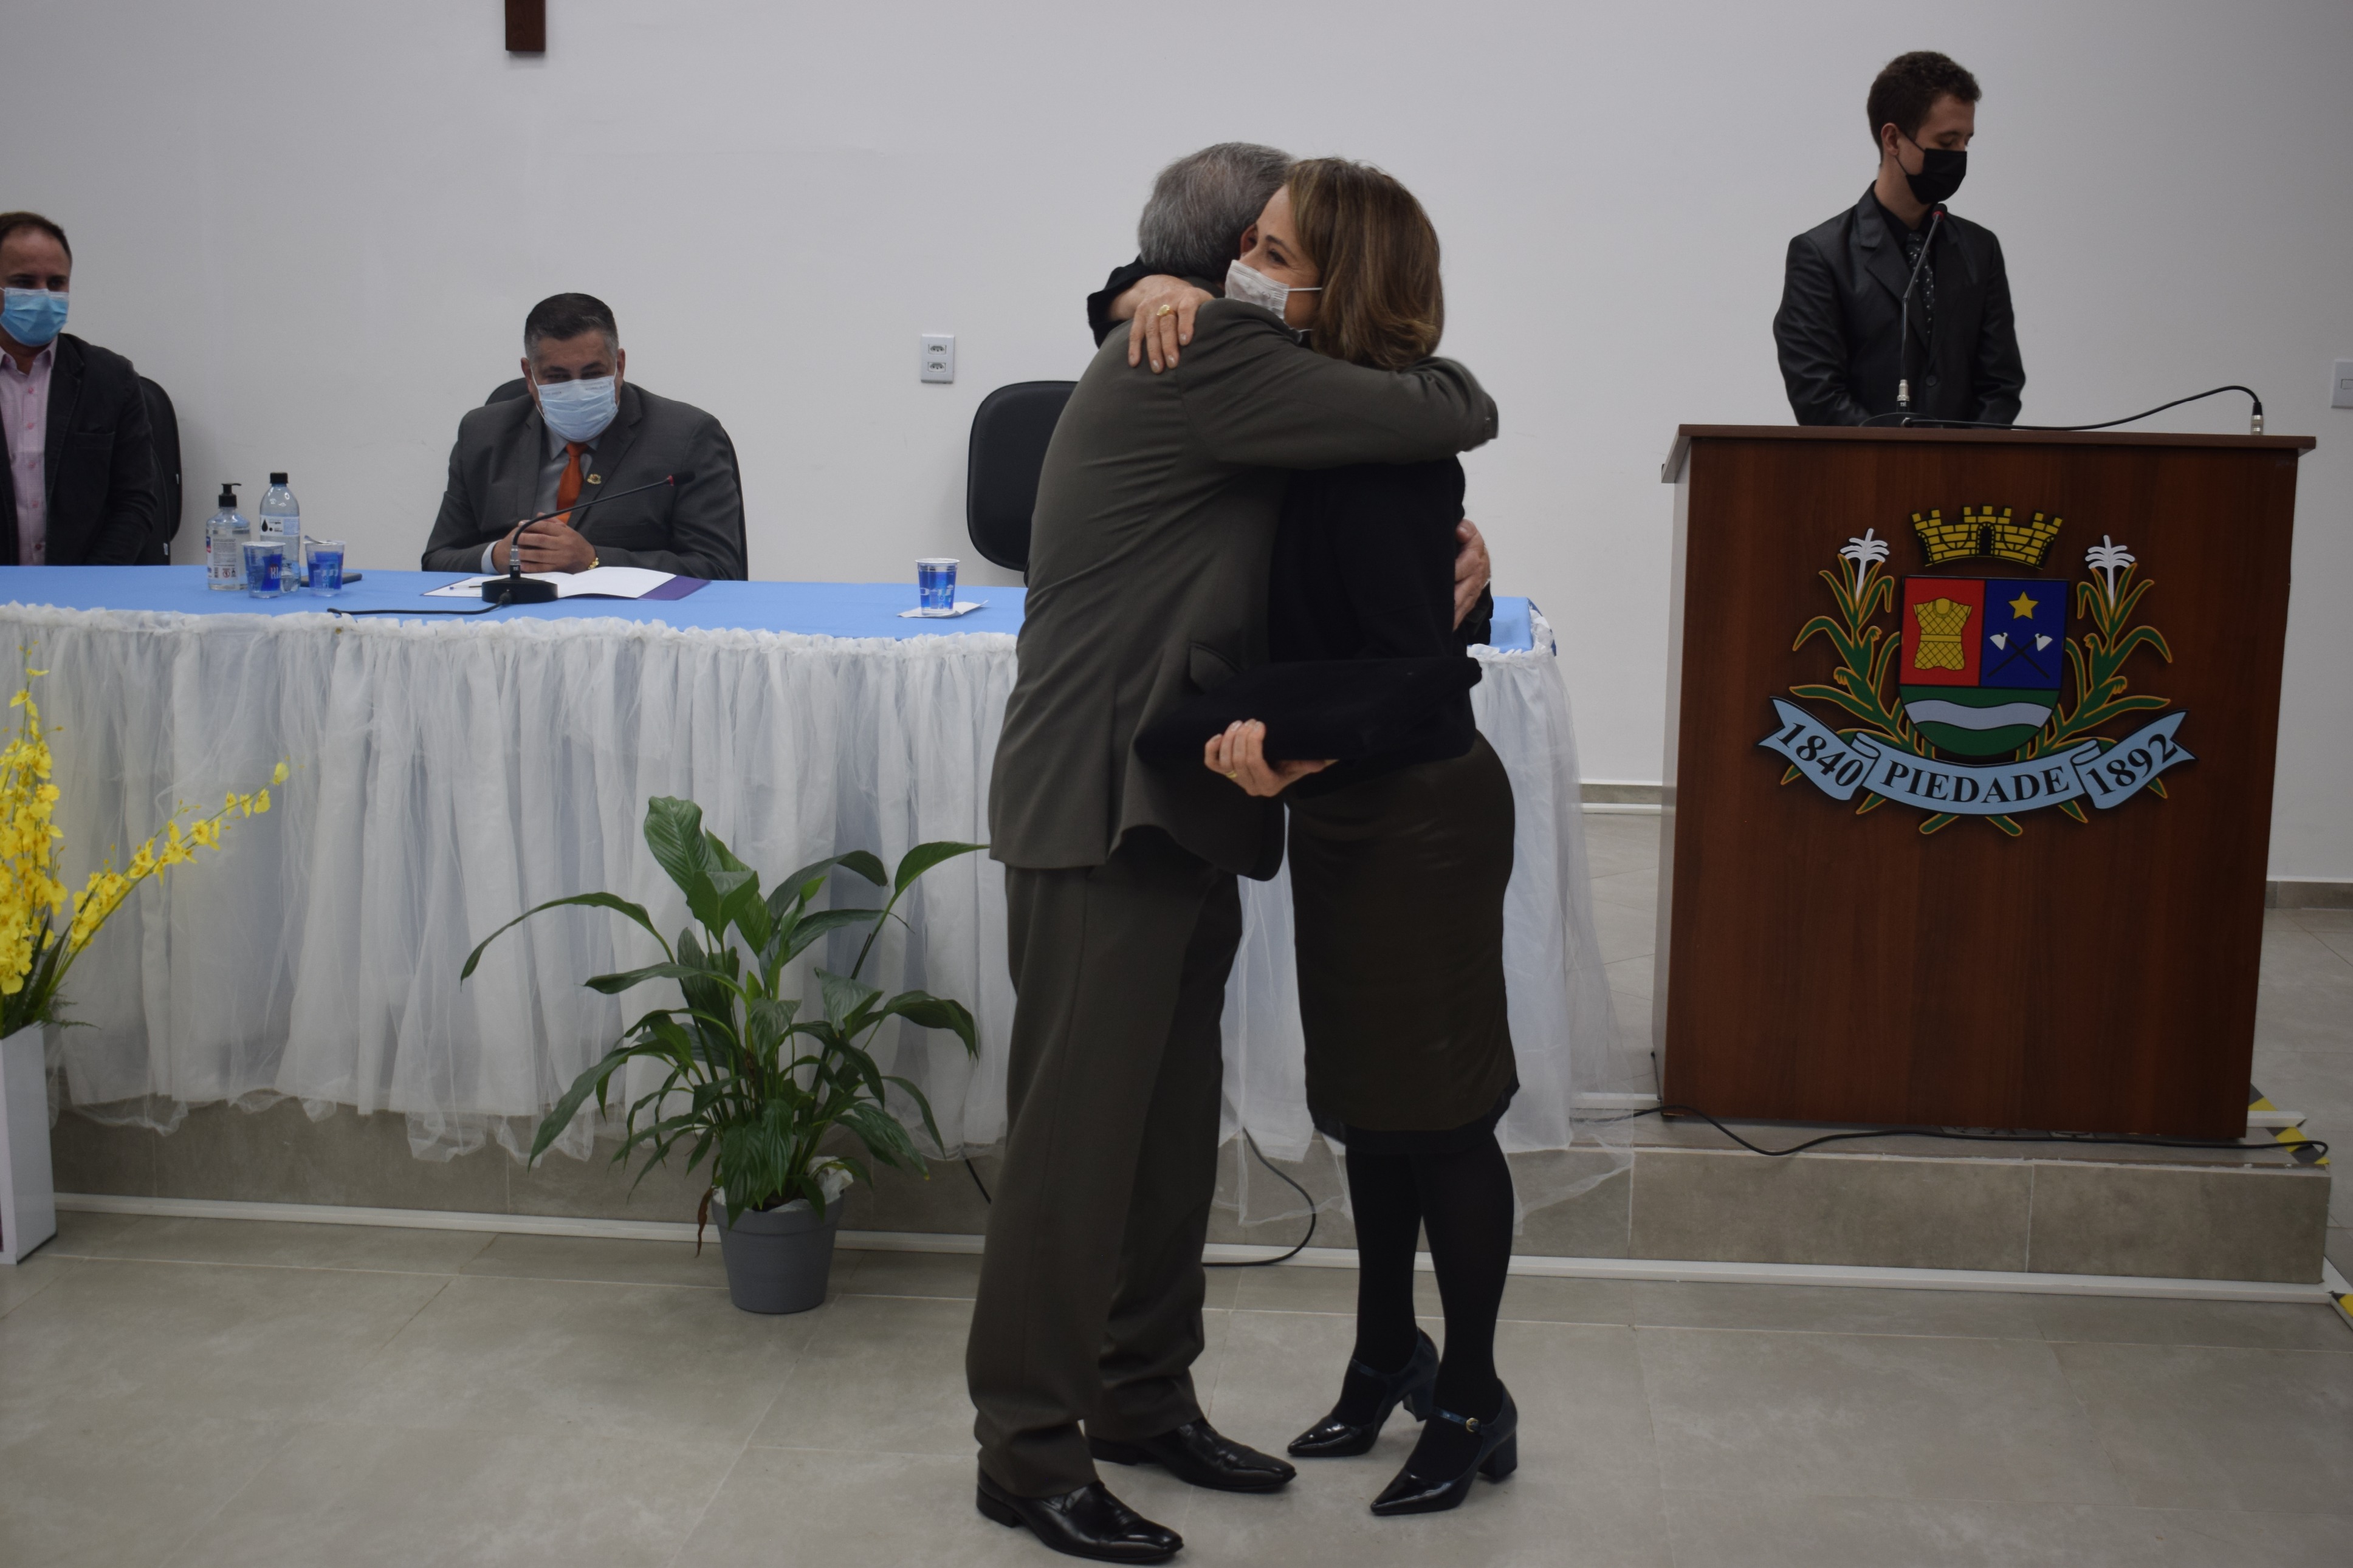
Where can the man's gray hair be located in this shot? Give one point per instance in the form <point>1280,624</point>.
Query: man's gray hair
<point>1201,205</point>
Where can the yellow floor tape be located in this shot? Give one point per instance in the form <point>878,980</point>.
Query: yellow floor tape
<point>2293,1138</point>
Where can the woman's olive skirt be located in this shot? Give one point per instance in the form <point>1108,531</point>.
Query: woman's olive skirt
<point>1397,887</point>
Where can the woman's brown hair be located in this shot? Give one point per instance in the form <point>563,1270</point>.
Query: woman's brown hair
<point>1383,304</point>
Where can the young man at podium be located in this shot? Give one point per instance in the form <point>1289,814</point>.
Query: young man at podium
<point>1895,306</point>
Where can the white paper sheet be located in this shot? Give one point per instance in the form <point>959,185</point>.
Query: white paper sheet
<point>603,583</point>
<point>963,607</point>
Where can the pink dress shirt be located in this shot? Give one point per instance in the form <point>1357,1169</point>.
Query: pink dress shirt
<point>25,418</point>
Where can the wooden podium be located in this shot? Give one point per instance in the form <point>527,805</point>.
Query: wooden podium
<point>1936,848</point>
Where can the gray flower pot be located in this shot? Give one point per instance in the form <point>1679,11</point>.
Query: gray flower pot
<point>777,1261</point>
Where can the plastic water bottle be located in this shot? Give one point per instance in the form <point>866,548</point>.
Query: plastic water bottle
<point>281,515</point>
<point>227,534</point>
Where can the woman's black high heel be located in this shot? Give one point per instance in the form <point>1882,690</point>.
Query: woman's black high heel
<point>1335,1438</point>
<point>1498,1455</point>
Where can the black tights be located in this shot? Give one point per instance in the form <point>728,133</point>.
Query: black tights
<point>1465,1200</point>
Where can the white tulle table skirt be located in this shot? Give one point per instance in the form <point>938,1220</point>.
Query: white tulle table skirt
<point>448,775</point>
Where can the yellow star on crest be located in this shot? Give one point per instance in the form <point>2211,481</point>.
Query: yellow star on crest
<point>2022,607</point>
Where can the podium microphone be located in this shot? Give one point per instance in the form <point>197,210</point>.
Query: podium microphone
<point>1904,343</point>
<point>514,588</point>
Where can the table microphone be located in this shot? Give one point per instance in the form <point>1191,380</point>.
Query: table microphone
<point>514,588</point>
<point>1904,342</point>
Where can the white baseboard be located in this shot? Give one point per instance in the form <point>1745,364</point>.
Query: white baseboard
<point>2321,1291</point>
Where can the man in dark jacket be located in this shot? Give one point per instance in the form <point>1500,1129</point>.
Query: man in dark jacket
<point>81,464</point>
<point>580,431</point>
<point>1840,330</point>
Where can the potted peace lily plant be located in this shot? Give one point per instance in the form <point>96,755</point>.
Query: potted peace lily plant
<point>749,1080</point>
<point>36,957</point>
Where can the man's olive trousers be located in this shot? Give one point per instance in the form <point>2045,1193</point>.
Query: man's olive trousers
<point>1090,1303</point>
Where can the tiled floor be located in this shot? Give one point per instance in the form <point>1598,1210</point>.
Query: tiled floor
<point>202,1391</point>
<point>2304,1016</point>
<point>190,1391</point>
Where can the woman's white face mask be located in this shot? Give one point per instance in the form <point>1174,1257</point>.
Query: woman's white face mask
<point>1252,287</point>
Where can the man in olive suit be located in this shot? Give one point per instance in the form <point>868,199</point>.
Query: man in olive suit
<point>1149,548</point>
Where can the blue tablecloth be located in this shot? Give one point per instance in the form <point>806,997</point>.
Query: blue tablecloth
<point>817,609</point>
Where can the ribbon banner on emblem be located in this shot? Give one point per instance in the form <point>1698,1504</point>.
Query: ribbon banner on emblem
<point>2107,772</point>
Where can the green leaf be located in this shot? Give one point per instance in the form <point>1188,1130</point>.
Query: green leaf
<point>585,900</point>
<point>790,943</point>
<point>921,1007</point>
<point>923,857</point>
<point>865,864</point>
<point>720,855</point>
<point>674,834</point>
<point>809,881</point>
<point>883,1137</point>
<point>551,1125</point>
<point>924,1106</point>
<point>844,999</point>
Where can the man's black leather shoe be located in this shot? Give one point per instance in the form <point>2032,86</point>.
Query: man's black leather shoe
<point>1195,1453</point>
<point>1088,1522</point>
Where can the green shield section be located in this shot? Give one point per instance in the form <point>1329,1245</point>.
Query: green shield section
<point>1977,721</point>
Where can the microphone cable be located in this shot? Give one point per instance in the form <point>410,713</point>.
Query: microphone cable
<point>2126,1140</point>
<point>1910,421</point>
<point>1313,1214</point>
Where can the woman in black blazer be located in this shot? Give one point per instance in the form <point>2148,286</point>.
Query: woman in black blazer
<point>1399,855</point>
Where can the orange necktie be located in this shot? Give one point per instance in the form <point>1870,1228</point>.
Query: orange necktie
<point>567,489</point>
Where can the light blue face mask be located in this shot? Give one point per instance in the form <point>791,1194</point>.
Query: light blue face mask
<point>33,316</point>
<point>579,410</point>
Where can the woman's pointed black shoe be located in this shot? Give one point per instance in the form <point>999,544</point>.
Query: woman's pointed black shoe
<point>1498,1455</point>
<point>1335,1438</point>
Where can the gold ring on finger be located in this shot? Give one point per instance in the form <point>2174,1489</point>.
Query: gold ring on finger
<point>1165,311</point>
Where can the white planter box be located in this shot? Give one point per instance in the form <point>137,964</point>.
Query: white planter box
<point>28,1194</point>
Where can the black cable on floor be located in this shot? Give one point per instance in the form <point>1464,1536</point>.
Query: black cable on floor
<point>1311,1215</point>
<point>1251,1263</point>
<point>2130,1139</point>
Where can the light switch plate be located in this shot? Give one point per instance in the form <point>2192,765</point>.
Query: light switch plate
<point>939,356</point>
<point>2340,386</point>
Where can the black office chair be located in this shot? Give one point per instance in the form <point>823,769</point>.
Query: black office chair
<point>1009,433</point>
<point>163,424</point>
<point>508,391</point>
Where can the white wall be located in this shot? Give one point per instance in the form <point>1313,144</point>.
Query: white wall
<point>320,224</point>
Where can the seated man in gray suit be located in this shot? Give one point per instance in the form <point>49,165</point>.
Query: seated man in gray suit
<point>583,430</point>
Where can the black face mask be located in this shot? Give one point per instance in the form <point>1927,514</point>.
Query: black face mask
<point>1941,172</point>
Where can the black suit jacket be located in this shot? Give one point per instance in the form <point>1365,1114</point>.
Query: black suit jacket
<point>1841,311</point>
<point>696,531</point>
<point>98,465</point>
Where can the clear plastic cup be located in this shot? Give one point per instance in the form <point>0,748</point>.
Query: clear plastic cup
<point>326,565</point>
<point>265,568</point>
<point>935,584</point>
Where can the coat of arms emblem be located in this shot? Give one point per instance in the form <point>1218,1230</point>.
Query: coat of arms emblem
<point>1979,669</point>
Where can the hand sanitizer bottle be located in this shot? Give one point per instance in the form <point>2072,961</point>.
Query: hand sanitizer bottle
<point>281,515</point>
<point>227,534</point>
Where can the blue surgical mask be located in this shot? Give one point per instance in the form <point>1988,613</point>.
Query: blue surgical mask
<point>33,316</point>
<point>579,410</point>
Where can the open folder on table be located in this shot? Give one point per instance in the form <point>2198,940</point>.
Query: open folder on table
<point>600,582</point>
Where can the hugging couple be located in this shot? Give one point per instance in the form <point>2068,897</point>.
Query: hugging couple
<point>1244,622</point>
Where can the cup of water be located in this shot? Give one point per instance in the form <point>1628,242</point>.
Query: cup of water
<point>265,568</point>
<point>326,566</point>
<point>935,584</point>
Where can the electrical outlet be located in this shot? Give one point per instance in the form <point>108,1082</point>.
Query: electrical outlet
<point>2340,386</point>
<point>939,356</point>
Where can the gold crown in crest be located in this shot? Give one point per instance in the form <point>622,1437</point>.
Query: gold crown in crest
<point>1983,530</point>
<point>1946,541</point>
<point>2024,543</point>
